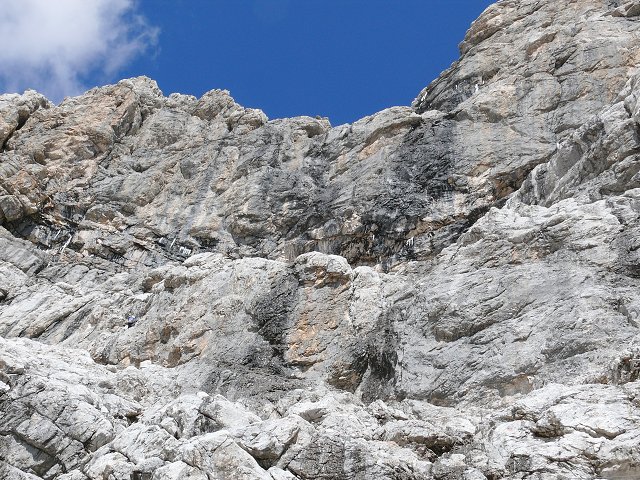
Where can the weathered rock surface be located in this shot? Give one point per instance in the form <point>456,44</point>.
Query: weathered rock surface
<point>442,291</point>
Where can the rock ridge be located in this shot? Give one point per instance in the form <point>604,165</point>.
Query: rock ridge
<point>447,290</point>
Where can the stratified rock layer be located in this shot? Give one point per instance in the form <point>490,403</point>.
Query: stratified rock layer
<point>443,291</point>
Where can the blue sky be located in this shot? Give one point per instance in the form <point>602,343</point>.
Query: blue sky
<point>338,58</point>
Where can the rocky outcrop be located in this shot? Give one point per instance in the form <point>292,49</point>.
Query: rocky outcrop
<point>189,290</point>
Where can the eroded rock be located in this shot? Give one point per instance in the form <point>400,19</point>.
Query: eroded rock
<point>443,291</point>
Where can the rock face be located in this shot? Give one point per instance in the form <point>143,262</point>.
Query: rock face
<point>443,291</point>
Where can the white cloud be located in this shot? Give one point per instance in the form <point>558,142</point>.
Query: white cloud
<point>52,45</point>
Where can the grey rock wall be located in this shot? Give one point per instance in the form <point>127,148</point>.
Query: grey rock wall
<point>442,291</point>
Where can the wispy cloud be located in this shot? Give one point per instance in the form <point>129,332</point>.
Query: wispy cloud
<point>53,45</point>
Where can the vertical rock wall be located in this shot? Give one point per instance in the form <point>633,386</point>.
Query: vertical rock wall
<point>449,290</point>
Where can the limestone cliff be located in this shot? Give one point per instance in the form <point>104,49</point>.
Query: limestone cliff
<point>447,290</point>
